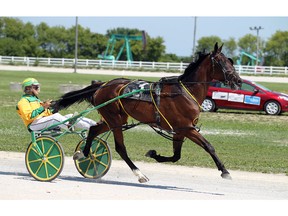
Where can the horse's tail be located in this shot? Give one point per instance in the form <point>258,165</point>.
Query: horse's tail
<point>78,96</point>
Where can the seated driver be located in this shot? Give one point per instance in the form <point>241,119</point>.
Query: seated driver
<point>36,114</point>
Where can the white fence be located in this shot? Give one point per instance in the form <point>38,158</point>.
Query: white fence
<point>139,65</point>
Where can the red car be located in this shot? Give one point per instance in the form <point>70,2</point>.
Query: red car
<point>251,96</point>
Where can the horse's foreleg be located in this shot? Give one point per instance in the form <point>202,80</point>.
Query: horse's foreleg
<point>177,146</point>
<point>196,137</point>
<point>121,150</point>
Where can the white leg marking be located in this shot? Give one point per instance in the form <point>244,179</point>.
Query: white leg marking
<point>141,177</point>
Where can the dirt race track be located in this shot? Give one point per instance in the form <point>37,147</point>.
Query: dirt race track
<point>167,182</point>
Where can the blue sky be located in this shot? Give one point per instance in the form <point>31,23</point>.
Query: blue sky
<point>178,32</point>
<point>171,20</point>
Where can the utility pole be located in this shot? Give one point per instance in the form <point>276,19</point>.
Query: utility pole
<point>76,45</point>
<point>194,39</point>
<point>257,29</point>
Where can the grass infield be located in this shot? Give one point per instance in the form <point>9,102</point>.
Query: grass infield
<point>244,140</point>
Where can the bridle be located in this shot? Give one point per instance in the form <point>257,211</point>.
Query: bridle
<point>221,65</point>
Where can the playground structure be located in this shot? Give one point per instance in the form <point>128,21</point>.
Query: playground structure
<point>252,59</point>
<point>108,54</point>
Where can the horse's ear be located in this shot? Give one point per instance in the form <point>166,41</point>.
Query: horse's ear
<point>216,47</point>
<point>220,49</point>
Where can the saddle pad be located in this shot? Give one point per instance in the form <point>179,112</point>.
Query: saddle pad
<point>136,85</point>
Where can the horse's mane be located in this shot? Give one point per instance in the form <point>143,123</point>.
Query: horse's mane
<point>191,68</point>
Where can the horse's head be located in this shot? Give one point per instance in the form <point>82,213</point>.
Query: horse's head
<point>223,69</point>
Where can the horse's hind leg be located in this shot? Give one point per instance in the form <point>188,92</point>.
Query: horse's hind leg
<point>121,150</point>
<point>177,146</point>
<point>196,137</point>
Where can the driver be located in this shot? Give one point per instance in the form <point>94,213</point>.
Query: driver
<point>36,114</point>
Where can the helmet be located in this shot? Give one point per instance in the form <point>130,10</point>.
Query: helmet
<point>29,82</point>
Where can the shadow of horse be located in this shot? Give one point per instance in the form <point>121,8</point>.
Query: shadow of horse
<point>136,185</point>
<point>27,177</point>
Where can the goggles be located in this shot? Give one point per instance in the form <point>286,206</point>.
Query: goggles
<point>36,87</point>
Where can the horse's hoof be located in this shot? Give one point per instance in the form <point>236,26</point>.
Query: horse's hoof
<point>78,155</point>
<point>226,176</point>
<point>151,154</point>
<point>143,179</point>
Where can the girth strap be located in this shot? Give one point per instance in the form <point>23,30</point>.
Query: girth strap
<point>157,104</point>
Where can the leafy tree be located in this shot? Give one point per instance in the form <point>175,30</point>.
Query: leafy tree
<point>206,44</point>
<point>135,45</point>
<point>230,47</point>
<point>277,49</point>
<point>42,38</point>
<point>57,41</point>
<point>24,39</point>
<point>154,50</point>
<point>11,47</point>
<point>170,57</point>
<point>12,28</point>
<point>248,43</point>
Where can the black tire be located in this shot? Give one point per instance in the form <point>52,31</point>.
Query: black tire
<point>272,108</point>
<point>208,105</point>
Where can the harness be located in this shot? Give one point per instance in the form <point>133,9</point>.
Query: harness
<point>156,88</point>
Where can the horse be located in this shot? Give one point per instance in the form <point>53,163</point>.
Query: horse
<point>175,107</point>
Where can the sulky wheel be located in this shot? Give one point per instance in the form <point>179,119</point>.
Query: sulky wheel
<point>98,161</point>
<point>44,159</point>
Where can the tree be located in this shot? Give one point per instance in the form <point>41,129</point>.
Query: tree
<point>17,38</point>
<point>136,46</point>
<point>276,51</point>
<point>206,44</point>
<point>11,47</point>
<point>155,49</point>
<point>229,48</point>
<point>248,43</point>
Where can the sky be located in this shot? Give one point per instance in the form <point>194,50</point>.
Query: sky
<point>177,32</point>
<point>174,22</point>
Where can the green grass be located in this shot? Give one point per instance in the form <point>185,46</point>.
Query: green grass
<point>250,141</point>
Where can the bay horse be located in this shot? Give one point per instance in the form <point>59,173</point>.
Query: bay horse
<point>177,109</point>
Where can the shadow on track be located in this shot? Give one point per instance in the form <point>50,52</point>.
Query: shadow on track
<point>27,177</point>
<point>137,185</point>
